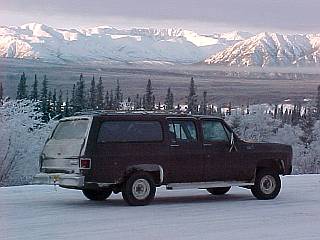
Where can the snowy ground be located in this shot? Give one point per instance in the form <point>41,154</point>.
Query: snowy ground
<point>39,212</point>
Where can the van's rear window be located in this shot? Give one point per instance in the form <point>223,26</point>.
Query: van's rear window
<point>130,131</point>
<point>71,129</point>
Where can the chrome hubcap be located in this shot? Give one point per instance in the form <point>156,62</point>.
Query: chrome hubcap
<point>268,184</point>
<point>141,189</point>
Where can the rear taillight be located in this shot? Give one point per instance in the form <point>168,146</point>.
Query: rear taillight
<point>85,163</point>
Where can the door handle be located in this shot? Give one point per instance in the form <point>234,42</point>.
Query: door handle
<point>174,145</point>
<point>207,144</point>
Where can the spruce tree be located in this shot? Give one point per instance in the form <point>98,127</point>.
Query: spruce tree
<point>80,95</point>
<point>22,87</point>
<point>307,125</point>
<point>275,115</point>
<point>318,104</point>
<point>72,101</point>
<point>169,100</point>
<point>44,99</point>
<point>59,104</point>
<point>54,103</point>
<point>93,95</point>
<point>204,103</point>
<point>1,93</point>
<point>100,94</point>
<point>111,101</point>
<point>34,91</point>
<point>106,101</point>
<point>117,97</point>
<point>50,110</point>
<point>137,102</point>
<point>192,98</point>
<point>149,98</point>
<point>67,106</point>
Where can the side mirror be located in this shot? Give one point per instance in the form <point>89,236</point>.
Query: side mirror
<point>232,143</point>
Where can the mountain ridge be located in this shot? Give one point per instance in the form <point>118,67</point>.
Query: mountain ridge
<point>107,44</point>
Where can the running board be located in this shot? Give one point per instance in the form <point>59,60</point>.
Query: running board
<point>205,185</point>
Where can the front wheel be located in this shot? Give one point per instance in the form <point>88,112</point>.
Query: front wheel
<point>267,185</point>
<point>139,189</point>
<point>97,195</point>
<point>218,190</point>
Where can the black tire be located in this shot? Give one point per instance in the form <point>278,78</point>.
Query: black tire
<point>267,185</point>
<point>97,195</point>
<point>218,190</point>
<point>139,189</point>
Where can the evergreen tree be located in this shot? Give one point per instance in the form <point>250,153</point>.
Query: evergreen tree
<point>169,100</point>
<point>44,99</point>
<point>22,87</point>
<point>137,102</point>
<point>192,98</point>
<point>318,104</point>
<point>50,110</point>
<point>204,104</point>
<point>111,101</point>
<point>93,95</point>
<point>1,93</point>
<point>117,97</point>
<point>307,125</point>
<point>275,115</point>
<point>80,95</point>
<point>72,101</point>
<point>100,94</point>
<point>67,107</point>
<point>106,100</point>
<point>34,91</point>
<point>59,104</point>
<point>144,102</point>
<point>54,103</point>
<point>149,98</point>
<point>153,102</point>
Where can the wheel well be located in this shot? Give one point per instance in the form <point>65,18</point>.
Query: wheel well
<point>274,164</point>
<point>156,172</point>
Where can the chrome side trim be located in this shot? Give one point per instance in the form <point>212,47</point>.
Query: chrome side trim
<point>204,185</point>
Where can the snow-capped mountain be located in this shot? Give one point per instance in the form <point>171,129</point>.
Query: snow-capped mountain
<point>108,44</point>
<point>271,49</point>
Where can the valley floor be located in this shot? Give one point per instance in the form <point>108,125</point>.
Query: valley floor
<point>40,212</point>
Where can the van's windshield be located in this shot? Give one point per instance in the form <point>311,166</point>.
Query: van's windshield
<point>71,129</point>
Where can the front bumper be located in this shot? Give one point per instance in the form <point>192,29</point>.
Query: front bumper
<point>61,179</point>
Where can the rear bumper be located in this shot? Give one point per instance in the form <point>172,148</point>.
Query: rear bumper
<point>61,179</point>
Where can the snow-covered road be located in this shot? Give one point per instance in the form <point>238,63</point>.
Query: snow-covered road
<point>40,212</point>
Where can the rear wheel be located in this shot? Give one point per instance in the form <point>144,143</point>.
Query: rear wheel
<point>267,185</point>
<point>139,189</point>
<point>97,195</point>
<point>218,190</point>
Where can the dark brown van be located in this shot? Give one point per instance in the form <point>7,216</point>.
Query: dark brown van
<point>134,153</point>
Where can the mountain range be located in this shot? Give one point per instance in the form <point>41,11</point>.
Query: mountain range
<point>106,44</point>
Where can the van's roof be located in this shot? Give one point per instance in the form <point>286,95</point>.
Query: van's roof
<point>136,113</point>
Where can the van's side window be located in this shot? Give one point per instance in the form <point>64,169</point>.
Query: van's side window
<point>214,131</point>
<point>182,131</point>
<point>130,131</point>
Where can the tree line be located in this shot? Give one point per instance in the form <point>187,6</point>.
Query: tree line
<point>94,97</point>
<point>83,98</point>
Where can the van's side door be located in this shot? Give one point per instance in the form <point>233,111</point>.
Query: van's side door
<point>216,145</point>
<point>185,163</point>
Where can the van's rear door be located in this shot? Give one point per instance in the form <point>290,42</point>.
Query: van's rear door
<point>67,143</point>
